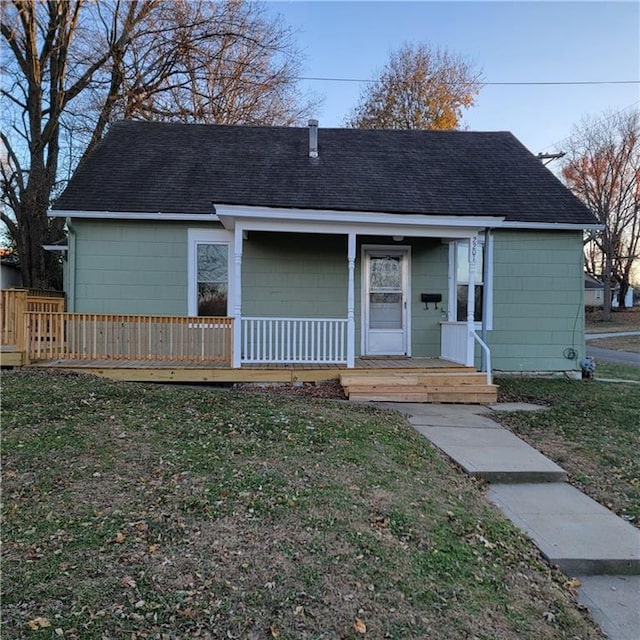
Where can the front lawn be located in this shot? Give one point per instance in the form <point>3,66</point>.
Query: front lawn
<point>592,430</point>
<point>139,511</point>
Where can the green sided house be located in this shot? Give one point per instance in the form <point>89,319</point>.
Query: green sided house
<point>327,247</point>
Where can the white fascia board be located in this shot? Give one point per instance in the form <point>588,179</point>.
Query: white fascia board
<point>132,215</point>
<point>360,221</point>
<point>551,226</point>
<point>338,228</point>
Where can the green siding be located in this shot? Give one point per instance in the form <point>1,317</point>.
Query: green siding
<point>429,260</point>
<point>141,268</point>
<point>130,267</point>
<point>294,275</point>
<point>538,300</point>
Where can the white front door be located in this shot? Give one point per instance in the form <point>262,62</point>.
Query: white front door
<point>386,301</point>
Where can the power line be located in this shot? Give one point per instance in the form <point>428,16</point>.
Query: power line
<point>494,84</point>
<point>603,119</point>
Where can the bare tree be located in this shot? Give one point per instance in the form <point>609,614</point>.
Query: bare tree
<point>72,67</point>
<point>419,88</point>
<point>602,167</point>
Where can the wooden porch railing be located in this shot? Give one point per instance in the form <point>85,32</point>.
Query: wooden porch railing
<point>294,340</point>
<point>90,336</point>
<point>13,305</point>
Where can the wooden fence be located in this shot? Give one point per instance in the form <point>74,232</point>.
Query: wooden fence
<point>89,336</point>
<point>14,303</point>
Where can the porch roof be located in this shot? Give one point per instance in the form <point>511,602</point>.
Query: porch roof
<point>184,169</point>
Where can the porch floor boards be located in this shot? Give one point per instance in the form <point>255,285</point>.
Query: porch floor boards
<point>220,372</point>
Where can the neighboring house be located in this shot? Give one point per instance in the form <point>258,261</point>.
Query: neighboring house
<point>341,243</point>
<point>10,275</point>
<point>593,292</point>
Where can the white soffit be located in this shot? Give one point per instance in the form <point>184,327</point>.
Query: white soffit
<point>362,222</point>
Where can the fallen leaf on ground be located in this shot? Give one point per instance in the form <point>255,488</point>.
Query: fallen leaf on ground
<point>572,585</point>
<point>128,581</point>
<point>38,623</point>
<point>360,626</point>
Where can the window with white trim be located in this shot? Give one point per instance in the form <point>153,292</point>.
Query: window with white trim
<point>210,266</point>
<point>459,289</point>
<point>462,280</point>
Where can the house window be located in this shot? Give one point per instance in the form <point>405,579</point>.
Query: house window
<point>212,262</point>
<point>210,281</point>
<point>462,281</point>
<point>459,281</point>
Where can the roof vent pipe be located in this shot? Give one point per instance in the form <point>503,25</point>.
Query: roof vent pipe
<point>313,138</point>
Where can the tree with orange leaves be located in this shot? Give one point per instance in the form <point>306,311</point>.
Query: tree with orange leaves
<point>602,167</point>
<point>419,88</point>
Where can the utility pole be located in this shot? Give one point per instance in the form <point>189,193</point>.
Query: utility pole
<point>550,157</point>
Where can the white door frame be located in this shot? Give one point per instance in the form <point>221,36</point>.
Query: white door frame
<point>386,250</point>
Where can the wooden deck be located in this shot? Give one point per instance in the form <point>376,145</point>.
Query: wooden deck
<point>218,372</point>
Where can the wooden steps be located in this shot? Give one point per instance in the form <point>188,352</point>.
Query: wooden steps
<point>462,385</point>
<point>10,356</point>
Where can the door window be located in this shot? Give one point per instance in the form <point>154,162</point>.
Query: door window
<point>385,292</point>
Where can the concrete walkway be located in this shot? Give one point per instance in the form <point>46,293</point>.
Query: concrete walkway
<point>571,530</point>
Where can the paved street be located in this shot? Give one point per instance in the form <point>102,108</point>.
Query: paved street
<point>610,355</point>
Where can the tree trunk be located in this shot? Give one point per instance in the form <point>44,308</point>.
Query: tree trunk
<point>606,303</point>
<point>40,269</point>
<point>622,294</point>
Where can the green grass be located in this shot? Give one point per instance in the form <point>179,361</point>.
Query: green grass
<point>133,511</point>
<point>617,371</point>
<point>592,429</point>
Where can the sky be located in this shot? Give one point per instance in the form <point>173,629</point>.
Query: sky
<point>543,41</point>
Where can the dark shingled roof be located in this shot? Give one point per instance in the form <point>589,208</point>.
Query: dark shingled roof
<point>185,168</point>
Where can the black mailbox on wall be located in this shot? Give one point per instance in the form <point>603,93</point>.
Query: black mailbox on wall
<point>430,297</point>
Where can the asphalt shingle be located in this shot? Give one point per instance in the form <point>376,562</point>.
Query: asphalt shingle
<point>187,168</point>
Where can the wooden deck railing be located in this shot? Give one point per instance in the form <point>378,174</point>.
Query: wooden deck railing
<point>13,305</point>
<point>90,336</point>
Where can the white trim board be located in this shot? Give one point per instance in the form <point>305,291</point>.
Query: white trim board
<point>401,222</point>
<point>352,219</point>
<point>132,215</point>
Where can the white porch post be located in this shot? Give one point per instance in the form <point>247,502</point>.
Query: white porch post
<point>471,299</point>
<point>351,302</point>
<point>237,296</point>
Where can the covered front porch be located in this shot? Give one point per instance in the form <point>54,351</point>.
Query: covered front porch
<point>394,286</point>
